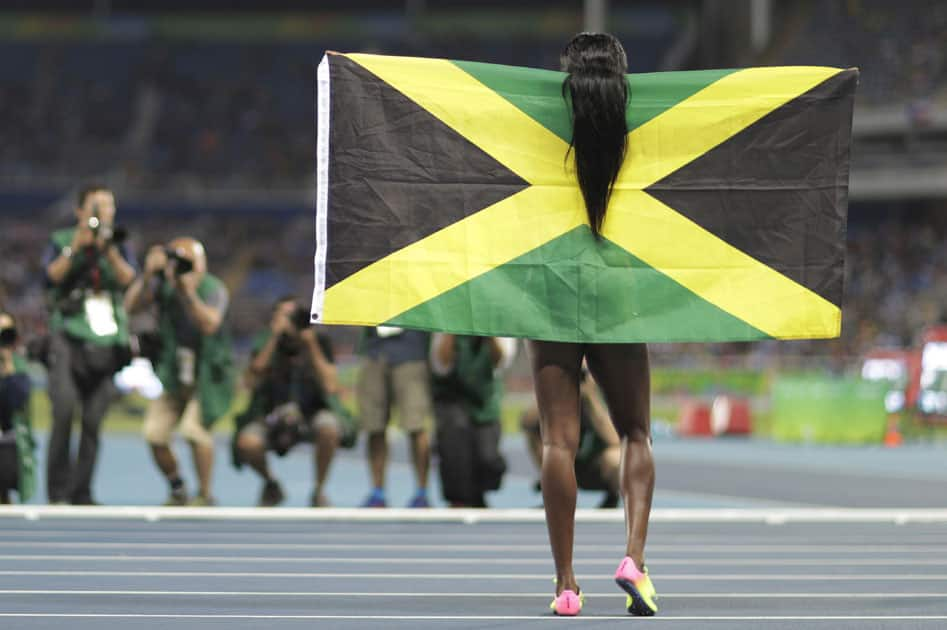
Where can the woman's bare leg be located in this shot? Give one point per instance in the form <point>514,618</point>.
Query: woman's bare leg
<point>623,374</point>
<point>556,375</point>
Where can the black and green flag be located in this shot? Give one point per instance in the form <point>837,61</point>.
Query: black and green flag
<point>446,201</point>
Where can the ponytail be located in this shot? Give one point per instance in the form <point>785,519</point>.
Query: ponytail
<point>597,91</point>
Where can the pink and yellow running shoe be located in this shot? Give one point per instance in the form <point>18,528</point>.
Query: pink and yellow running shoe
<point>642,599</point>
<point>568,603</point>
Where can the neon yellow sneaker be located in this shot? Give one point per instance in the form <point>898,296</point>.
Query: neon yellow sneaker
<point>642,598</point>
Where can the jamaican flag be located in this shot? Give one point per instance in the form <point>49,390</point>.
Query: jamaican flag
<point>446,201</point>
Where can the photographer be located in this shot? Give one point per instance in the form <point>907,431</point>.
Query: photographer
<point>467,394</point>
<point>294,399</point>
<point>194,360</point>
<point>16,432</point>
<point>394,373</point>
<point>87,270</point>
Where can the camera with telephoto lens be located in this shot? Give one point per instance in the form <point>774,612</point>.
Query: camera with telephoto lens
<point>300,318</point>
<point>182,264</point>
<point>289,344</point>
<point>110,233</point>
<point>8,337</point>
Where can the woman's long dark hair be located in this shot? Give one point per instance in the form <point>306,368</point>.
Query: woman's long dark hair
<point>598,93</point>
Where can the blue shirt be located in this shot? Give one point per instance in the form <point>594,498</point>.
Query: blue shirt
<point>408,345</point>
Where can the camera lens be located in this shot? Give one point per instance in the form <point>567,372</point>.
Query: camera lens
<point>94,223</point>
<point>119,234</point>
<point>183,266</point>
<point>301,318</point>
<point>7,337</point>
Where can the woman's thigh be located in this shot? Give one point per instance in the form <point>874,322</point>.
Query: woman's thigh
<point>556,368</point>
<point>623,374</point>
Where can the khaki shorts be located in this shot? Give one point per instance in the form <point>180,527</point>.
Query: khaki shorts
<point>182,409</point>
<point>410,386</point>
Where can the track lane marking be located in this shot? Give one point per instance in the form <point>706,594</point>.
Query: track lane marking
<point>733,577</point>
<point>664,595</point>
<point>453,549</point>
<point>821,561</point>
<point>655,619</point>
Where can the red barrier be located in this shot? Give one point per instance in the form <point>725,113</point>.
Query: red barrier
<point>730,416</point>
<point>694,419</point>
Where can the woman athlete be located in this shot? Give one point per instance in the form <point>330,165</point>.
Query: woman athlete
<point>598,93</point>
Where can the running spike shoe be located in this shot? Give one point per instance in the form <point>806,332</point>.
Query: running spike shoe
<point>642,599</point>
<point>568,603</point>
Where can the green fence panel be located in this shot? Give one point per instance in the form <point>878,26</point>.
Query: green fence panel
<point>828,410</point>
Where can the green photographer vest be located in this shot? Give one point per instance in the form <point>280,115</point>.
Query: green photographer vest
<point>72,316</point>
<point>472,381</point>
<point>215,373</point>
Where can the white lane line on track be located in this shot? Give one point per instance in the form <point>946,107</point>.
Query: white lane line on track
<point>656,619</point>
<point>464,536</point>
<point>775,516</point>
<point>717,577</point>
<point>652,561</point>
<point>469,594</point>
<point>454,548</point>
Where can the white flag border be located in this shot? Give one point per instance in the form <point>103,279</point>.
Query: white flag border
<point>322,187</point>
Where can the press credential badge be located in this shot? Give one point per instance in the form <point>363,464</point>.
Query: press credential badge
<point>101,314</point>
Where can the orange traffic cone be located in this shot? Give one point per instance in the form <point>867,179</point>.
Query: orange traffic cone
<point>893,435</point>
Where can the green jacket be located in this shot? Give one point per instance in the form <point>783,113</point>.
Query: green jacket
<point>215,375</point>
<point>25,444</point>
<point>472,381</point>
<point>67,311</point>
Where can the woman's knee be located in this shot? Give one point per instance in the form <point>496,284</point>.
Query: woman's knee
<point>638,435</point>
<point>561,438</point>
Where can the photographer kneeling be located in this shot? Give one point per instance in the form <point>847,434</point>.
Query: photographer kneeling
<point>294,399</point>
<point>468,394</point>
<point>16,431</point>
<point>194,360</point>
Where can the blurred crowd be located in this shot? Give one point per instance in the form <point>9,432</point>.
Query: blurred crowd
<point>228,115</point>
<point>901,49</point>
<point>896,280</point>
<point>191,114</point>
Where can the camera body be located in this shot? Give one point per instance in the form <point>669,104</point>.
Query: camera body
<point>300,317</point>
<point>108,232</point>
<point>8,337</point>
<point>284,428</point>
<point>181,264</point>
<point>289,343</point>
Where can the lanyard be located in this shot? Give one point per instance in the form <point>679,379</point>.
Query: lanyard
<point>95,273</point>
